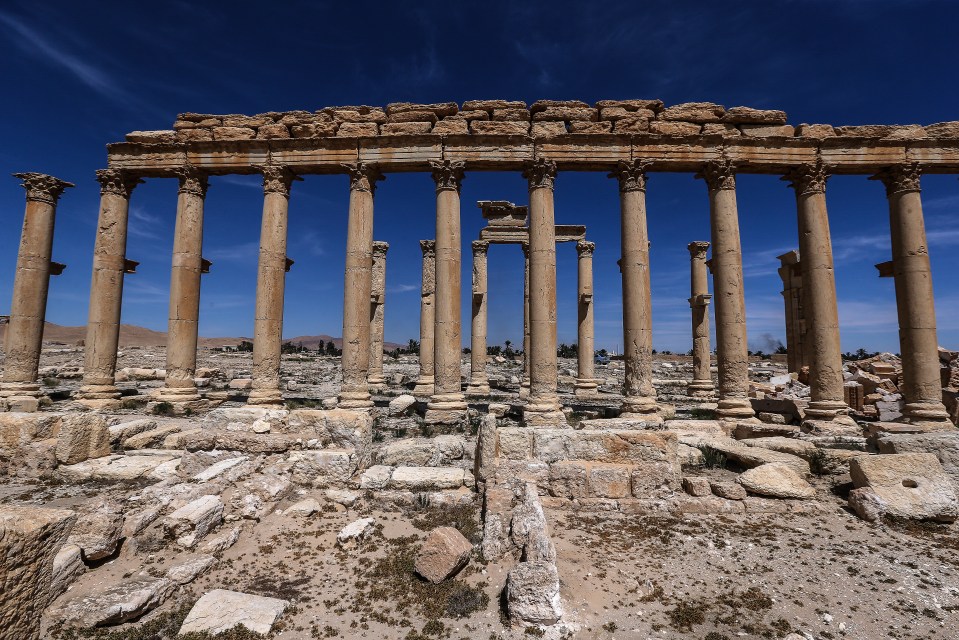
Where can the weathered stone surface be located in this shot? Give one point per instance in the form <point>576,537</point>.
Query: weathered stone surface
<point>631,105</point>
<point>303,508</point>
<point>232,133</point>
<point>767,130</point>
<point>152,137</point>
<point>568,114</point>
<point>218,468</point>
<point>438,109</point>
<point>120,432</point>
<point>82,436</point>
<point>115,603</point>
<point>748,115</point>
<point>357,129</point>
<point>115,467</point>
<point>360,114</point>
<point>336,429</point>
<point>619,113</point>
<point>721,129</point>
<point>815,131</point>
<point>866,130</point>
<point>696,486</point>
<point>631,124</point>
<point>590,127</point>
<point>907,132</point>
<point>429,478</point>
<point>221,610</point>
<point>799,448</point>
<point>23,428</point>
<point>749,456</point>
<point>698,112</point>
<point>99,529</point>
<point>67,567</point>
<point>669,128</point>
<point>195,135</point>
<point>490,105</point>
<point>401,405</point>
<point>943,130</point>
<point>376,477</point>
<point>499,128</point>
<point>532,594</point>
<point>30,539</point>
<point>355,531</point>
<point>548,129</point>
<point>190,523</point>
<point>776,480</point>
<point>569,479</point>
<point>609,480</point>
<point>442,555</point>
<point>905,485</point>
<point>313,130</point>
<point>511,114</point>
<point>451,127</point>
<point>246,121</point>
<point>151,438</point>
<point>322,468</point>
<point>270,131</point>
<point>405,128</point>
<point>728,490</point>
<point>187,572</point>
<point>943,444</point>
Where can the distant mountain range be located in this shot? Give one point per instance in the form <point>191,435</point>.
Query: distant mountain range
<point>133,336</point>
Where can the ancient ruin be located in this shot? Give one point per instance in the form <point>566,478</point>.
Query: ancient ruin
<point>522,462</point>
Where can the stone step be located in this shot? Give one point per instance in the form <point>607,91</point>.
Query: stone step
<point>415,478</point>
<point>439,451</point>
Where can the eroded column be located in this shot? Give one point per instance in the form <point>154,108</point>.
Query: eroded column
<point>424,383</point>
<point>270,285</point>
<point>819,287</point>
<point>18,388</point>
<point>106,290</point>
<point>524,381</point>
<point>586,383</point>
<point>701,386</point>
<point>921,386</point>
<point>447,405</point>
<point>354,393</point>
<point>543,407</point>
<point>185,289</point>
<point>732,353</point>
<point>479,383</point>
<point>375,377</point>
<point>638,391</point>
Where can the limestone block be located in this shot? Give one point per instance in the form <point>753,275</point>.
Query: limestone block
<point>490,105</point>
<point>187,572</point>
<point>152,137</point>
<point>82,436</point>
<point>543,105</point>
<point>776,480</point>
<point>631,105</point>
<point>907,485</point>
<point>303,508</point>
<point>515,443</point>
<point>451,126</point>
<point>728,490</point>
<point>355,531</point>
<point>18,428</point>
<point>401,405</point>
<point>671,128</point>
<point>472,114</point>
<point>322,468</point>
<point>866,130</point>
<point>221,610</point>
<point>98,529</point>
<point>521,114</point>
<point>532,594</point>
<point>412,116</point>
<point>654,479</point>
<point>357,114</point>
<point>569,479</point>
<point>233,133</point>
<point>405,128</point>
<point>114,603</point>
<point>754,456</point>
<point>30,539</point>
<point>697,112</point>
<point>748,115</point>
<point>270,131</point>
<point>943,444</point>
<point>190,523</point>
<point>444,553</point>
<point>619,113</point>
<point>194,135</point>
<point>499,128</point>
<point>696,486</point>
<point>241,384</point>
<point>548,129</point>
<point>218,469</point>
<point>357,129</point>
<point>609,480</point>
<point>198,124</point>
<point>152,438</point>
<point>67,567</point>
<point>336,428</point>
<point>720,129</point>
<point>767,130</point>
<point>815,131</point>
<point>114,467</point>
<point>439,109</point>
<point>246,121</point>
<point>136,521</point>
<point>429,478</point>
<point>313,130</point>
<point>222,542</point>
<point>290,118</point>
<point>943,130</point>
<point>799,448</point>
<point>120,432</point>
<point>568,114</point>
<point>631,124</point>
<point>376,477</point>
<point>197,117</point>
<point>590,127</point>
<point>625,447</point>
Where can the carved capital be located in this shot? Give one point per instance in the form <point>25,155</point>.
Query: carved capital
<point>42,188</point>
<point>192,181</point>
<point>541,173</point>
<point>900,178</point>
<point>480,247</point>
<point>363,177</point>
<point>117,181</point>
<point>277,178</point>
<point>698,249</point>
<point>429,248</point>
<point>380,248</point>
<point>448,174</point>
<point>719,175</point>
<point>631,175</point>
<point>585,248</point>
<point>807,178</point>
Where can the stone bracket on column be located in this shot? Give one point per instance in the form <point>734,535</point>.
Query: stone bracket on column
<point>701,300</point>
<point>56,268</point>
<point>289,265</point>
<point>885,269</point>
<point>130,266</point>
<point>205,265</point>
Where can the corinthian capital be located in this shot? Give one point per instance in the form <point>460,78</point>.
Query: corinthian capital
<point>480,247</point>
<point>363,177</point>
<point>631,175</point>
<point>429,248</point>
<point>719,174</point>
<point>192,180</point>
<point>448,174</point>
<point>277,178</point>
<point>41,187</point>
<point>541,173</point>
<point>900,178</point>
<point>380,248</point>
<point>697,250</point>
<point>585,248</point>
<point>807,178</point>
<point>117,181</point>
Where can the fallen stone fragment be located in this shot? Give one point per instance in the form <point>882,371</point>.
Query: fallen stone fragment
<point>98,530</point>
<point>220,610</point>
<point>189,571</point>
<point>222,542</point>
<point>114,467</point>
<point>218,468</point>
<point>304,508</point>
<point>903,485</point>
<point>115,603</point>
<point>401,405</point>
<point>442,555</point>
<point>697,486</point>
<point>776,480</point>
<point>532,594</point>
<point>342,496</point>
<point>190,523</point>
<point>354,532</point>
<point>728,490</point>
<point>82,436</point>
<point>67,567</point>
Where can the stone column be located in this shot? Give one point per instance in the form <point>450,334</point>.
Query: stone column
<point>586,383</point>
<point>355,393</point>
<point>185,289</point>
<point>543,407</point>
<point>375,377</point>
<point>106,290</point>
<point>701,385</point>
<point>921,387</point>
<point>270,281</point>
<point>479,383</point>
<point>639,395</point>
<point>18,388</point>
<point>790,272</point>
<point>424,384</point>
<point>819,286</point>
<point>524,382</point>
<point>447,405</point>
<point>732,353</point>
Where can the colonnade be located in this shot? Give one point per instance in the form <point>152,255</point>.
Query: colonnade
<point>442,287</point>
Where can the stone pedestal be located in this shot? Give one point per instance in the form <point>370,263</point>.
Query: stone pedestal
<point>701,386</point>
<point>424,383</point>
<point>732,353</point>
<point>106,290</point>
<point>18,387</point>
<point>638,391</point>
<point>586,383</point>
<point>524,380</point>
<point>375,378</point>
<point>543,407</point>
<point>921,386</point>
<point>479,383</point>
<point>179,386</point>
<point>354,393</point>
<point>819,287</point>
<point>447,405</point>
<point>270,283</point>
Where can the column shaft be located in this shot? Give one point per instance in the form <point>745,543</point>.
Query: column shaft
<point>375,376</point>
<point>701,385</point>
<point>586,383</point>
<point>479,383</point>
<point>524,382</point>
<point>424,384</point>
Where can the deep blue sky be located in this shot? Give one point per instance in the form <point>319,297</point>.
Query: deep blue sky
<point>77,77</point>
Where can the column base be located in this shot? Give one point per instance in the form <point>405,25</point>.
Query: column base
<point>265,397</point>
<point>354,400</point>
<point>478,387</point>
<point>176,394</point>
<point>98,392</point>
<point>423,387</point>
<point>586,387</point>
<point>524,389</point>
<point>734,409</point>
<point>926,413</point>
<point>545,412</point>
<point>446,408</point>
<point>21,397</point>
<point>840,425</point>
<point>639,407</point>
<point>701,389</point>
<point>826,409</point>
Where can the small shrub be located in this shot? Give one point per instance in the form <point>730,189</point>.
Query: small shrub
<point>50,382</point>
<point>163,409</point>
<point>713,458</point>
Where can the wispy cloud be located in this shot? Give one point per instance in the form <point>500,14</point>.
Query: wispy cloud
<point>144,225</point>
<point>402,288</point>
<point>242,252</point>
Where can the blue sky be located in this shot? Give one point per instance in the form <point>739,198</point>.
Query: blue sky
<point>76,78</point>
